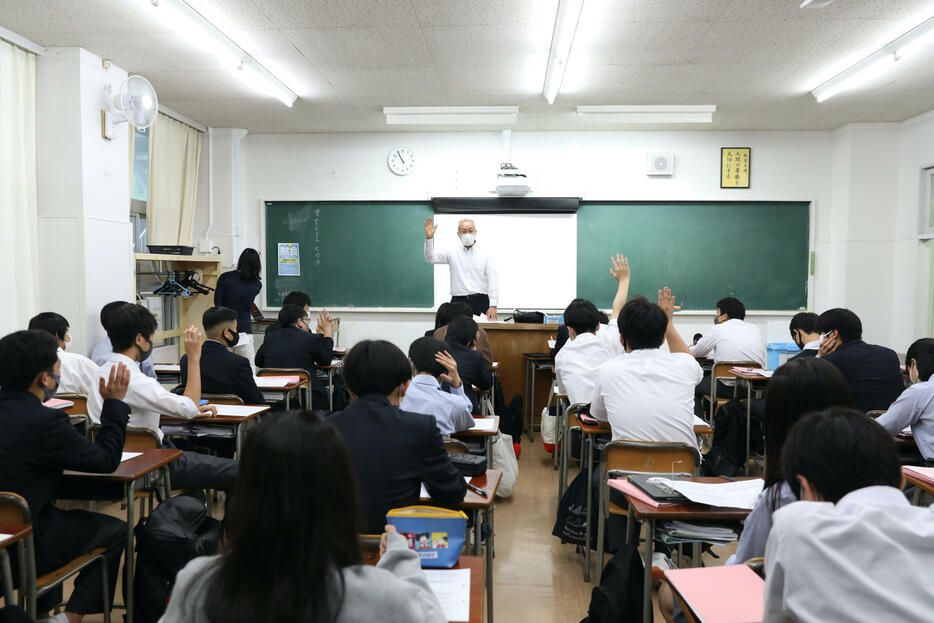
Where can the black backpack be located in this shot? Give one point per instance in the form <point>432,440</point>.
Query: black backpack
<point>510,420</point>
<point>178,530</point>
<point>618,598</point>
<point>728,450</point>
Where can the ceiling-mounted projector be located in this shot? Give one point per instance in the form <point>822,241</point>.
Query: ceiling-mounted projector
<point>511,182</point>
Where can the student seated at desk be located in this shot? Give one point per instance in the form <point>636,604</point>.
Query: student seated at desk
<point>461,341</point>
<point>100,354</point>
<point>131,329</point>
<point>915,407</point>
<point>291,550</point>
<point>483,342</point>
<point>424,395</point>
<point>803,327</point>
<point>223,372</point>
<point>873,372</point>
<point>79,374</point>
<point>590,343</point>
<point>296,347</point>
<point>442,318</point>
<point>36,444</point>
<point>393,451</point>
<point>853,549</point>
<point>648,394</point>
<point>294,297</point>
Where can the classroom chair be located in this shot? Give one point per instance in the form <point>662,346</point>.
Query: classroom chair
<point>723,370</point>
<point>302,375</point>
<point>81,422</point>
<point>875,413</point>
<point>485,396</point>
<point>568,423</point>
<point>145,439</point>
<point>222,399</point>
<point>81,403</point>
<point>15,510</point>
<point>455,446</point>
<point>624,457</point>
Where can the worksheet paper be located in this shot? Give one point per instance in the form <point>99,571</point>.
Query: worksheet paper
<point>452,588</point>
<point>239,410</point>
<point>484,424</point>
<point>739,494</point>
<point>126,456</point>
<point>424,492</point>
<point>269,382</point>
<point>6,536</point>
<point>699,422</point>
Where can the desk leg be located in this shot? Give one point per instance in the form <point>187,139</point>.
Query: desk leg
<point>532,407</point>
<point>565,454</point>
<point>128,555</point>
<point>477,532</point>
<point>7,577</point>
<point>288,400</point>
<point>748,420</point>
<point>589,519</point>
<point>489,564</point>
<point>647,584</point>
<point>488,447</point>
<point>525,406</point>
<point>26,549</point>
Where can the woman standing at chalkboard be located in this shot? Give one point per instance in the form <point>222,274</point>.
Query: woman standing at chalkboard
<point>236,289</point>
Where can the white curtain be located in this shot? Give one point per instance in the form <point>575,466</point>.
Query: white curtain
<point>174,153</point>
<point>18,208</point>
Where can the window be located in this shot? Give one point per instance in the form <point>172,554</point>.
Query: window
<point>139,189</point>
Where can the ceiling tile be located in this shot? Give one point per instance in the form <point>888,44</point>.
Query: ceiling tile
<point>386,83</point>
<point>478,46</point>
<point>305,14</point>
<point>362,48</point>
<point>484,12</point>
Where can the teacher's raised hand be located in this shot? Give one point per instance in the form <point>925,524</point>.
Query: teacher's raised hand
<point>430,227</point>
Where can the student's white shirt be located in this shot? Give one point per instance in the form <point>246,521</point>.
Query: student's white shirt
<point>812,345</point>
<point>577,362</point>
<point>451,411</point>
<point>79,374</point>
<point>648,395</point>
<point>867,558</point>
<point>733,340</point>
<point>472,271</point>
<point>914,408</point>
<point>147,399</point>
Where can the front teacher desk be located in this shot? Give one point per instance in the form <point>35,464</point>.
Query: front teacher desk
<point>508,341</point>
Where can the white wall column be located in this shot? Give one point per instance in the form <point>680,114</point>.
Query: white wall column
<point>224,177</point>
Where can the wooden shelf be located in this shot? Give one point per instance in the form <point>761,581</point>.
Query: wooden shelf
<point>206,259</point>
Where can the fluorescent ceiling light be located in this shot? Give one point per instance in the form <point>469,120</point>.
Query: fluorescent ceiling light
<point>878,62</point>
<point>569,12</point>
<point>451,115</point>
<point>200,33</point>
<point>647,114</point>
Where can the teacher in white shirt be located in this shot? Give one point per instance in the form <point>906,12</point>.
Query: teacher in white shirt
<point>473,275</point>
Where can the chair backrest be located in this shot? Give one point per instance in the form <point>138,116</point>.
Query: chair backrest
<point>79,419</point>
<point>81,403</point>
<point>13,508</point>
<point>455,446</point>
<point>140,439</point>
<point>724,369</point>
<point>629,456</point>
<point>302,373</point>
<point>876,413</point>
<point>223,399</point>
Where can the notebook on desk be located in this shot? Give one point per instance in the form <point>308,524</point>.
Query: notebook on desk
<point>657,491</point>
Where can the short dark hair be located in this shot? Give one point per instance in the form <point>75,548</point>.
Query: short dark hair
<point>798,387</point>
<point>249,265</point>
<point>805,322</point>
<point>461,330</point>
<point>126,323</point>
<point>582,316</point>
<point>295,297</point>
<point>375,367</point>
<point>23,356</point>
<point>108,310</point>
<point>922,351</point>
<point>840,450</point>
<point>214,316</point>
<point>460,309</point>
<point>290,314</point>
<point>732,307</point>
<point>422,353</point>
<point>843,321</point>
<point>642,324</point>
<point>443,315</point>
<point>50,322</point>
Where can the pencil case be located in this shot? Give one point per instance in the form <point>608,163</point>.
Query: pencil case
<point>436,534</point>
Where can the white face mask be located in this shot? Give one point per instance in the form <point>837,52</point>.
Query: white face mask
<point>468,239</point>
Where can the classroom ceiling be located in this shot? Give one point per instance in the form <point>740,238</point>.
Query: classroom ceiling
<point>756,60</point>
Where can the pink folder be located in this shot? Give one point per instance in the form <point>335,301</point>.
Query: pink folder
<point>729,594</point>
<point>925,474</point>
<point>289,379</point>
<point>54,403</point>
<point>623,484</point>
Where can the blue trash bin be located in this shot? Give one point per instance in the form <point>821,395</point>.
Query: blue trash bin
<point>779,352</point>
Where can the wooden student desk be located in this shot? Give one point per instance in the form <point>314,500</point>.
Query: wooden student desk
<point>687,512</point>
<point>486,435</point>
<point>128,473</point>
<point>481,508</point>
<point>235,422</point>
<point>508,341</point>
<point>16,533</point>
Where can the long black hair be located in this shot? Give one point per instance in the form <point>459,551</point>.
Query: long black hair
<point>443,315</point>
<point>799,387</point>
<point>249,266</point>
<point>293,522</point>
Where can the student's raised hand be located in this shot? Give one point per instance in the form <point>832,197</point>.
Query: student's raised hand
<point>324,323</point>
<point>192,339</point>
<point>666,300</point>
<point>445,359</point>
<point>208,410</point>
<point>830,343</point>
<point>117,383</point>
<point>430,228</point>
<point>384,539</point>
<point>619,267</point>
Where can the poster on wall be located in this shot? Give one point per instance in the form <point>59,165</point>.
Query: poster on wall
<point>289,265</point>
<point>734,167</point>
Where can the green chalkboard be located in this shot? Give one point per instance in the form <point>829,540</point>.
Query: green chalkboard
<point>704,251</point>
<point>352,254</point>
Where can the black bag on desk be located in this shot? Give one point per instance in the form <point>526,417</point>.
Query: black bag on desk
<point>469,464</point>
<point>178,530</point>
<point>532,317</point>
